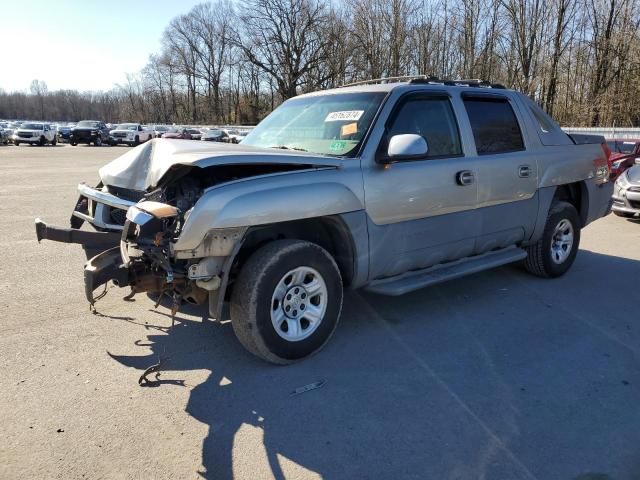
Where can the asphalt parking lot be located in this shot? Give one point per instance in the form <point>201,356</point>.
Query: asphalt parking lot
<point>500,375</point>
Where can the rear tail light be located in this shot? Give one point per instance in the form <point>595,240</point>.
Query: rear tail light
<point>607,155</point>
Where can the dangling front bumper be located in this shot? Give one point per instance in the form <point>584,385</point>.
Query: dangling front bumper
<point>102,268</point>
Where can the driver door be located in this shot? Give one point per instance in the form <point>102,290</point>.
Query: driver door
<point>421,212</point>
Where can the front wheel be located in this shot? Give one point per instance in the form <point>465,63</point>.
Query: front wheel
<point>555,252</point>
<point>16,143</point>
<point>54,142</point>
<point>42,142</point>
<point>286,301</point>
<point>98,142</point>
<point>136,141</point>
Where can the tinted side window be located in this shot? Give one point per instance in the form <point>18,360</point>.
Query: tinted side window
<point>494,125</point>
<point>431,118</point>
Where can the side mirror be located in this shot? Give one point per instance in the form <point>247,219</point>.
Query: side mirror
<point>406,147</point>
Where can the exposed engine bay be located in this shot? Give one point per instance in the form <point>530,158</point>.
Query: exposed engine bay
<point>155,223</point>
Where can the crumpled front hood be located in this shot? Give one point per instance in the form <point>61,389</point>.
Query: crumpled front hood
<point>142,167</point>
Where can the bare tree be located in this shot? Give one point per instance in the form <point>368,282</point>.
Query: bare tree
<point>284,38</point>
<point>39,89</point>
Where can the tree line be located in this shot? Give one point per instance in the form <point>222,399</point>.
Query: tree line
<point>233,63</point>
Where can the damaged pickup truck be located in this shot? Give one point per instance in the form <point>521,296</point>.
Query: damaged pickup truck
<point>390,187</point>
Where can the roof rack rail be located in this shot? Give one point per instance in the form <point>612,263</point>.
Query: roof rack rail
<point>463,82</point>
<point>403,78</point>
<point>428,80</point>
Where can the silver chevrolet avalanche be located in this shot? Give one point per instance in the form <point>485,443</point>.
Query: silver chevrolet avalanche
<point>390,187</point>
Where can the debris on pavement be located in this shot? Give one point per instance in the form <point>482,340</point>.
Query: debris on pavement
<point>308,387</point>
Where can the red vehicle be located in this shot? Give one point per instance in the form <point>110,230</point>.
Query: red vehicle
<point>183,134</point>
<point>623,154</point>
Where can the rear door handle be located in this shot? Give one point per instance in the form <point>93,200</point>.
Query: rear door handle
<point>465,177</point>
<point>524,171</point>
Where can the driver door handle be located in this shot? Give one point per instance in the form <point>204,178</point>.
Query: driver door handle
<point>524,171</point>
<point>465,177</point>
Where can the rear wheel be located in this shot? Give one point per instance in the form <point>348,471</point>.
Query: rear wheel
<point>287,300</point>
<point>555,252</point>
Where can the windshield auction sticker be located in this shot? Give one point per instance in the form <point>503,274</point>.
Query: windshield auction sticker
<point>344,116</point>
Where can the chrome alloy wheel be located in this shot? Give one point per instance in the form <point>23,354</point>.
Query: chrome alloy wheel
<point>562,241</point>
<point>298,304</point>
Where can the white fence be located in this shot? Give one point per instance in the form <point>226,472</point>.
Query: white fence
<point>608,133</point>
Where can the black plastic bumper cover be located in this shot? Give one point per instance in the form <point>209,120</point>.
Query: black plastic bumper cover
<point>102,268</point>
<point>73,235</point>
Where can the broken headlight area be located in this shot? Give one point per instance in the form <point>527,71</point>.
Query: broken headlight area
<point>143,260</point>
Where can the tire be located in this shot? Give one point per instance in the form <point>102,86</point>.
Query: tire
<point>552,255</point>
<point>16,143</point>
<point>624,214</point>
<point>73,144</point>
<point>98,142</point>
<point>54,142</point>
<point>136,141</point>
<point>42,142</point>
<point>256,299</point>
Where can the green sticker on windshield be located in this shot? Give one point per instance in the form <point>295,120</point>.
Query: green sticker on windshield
<point>338,146</point>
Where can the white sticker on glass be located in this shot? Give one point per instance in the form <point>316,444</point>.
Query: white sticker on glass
<point>345,116</point>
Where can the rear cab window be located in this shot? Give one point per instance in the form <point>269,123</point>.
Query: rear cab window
<point>494,124</point>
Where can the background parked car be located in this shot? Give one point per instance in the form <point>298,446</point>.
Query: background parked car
<point>215,135</point>
<point>35,134</point>
<point>10,128</point>
<point>195,133</point>
<point>4,135</point>
<point>6,132</point>
<point>235,135</point>
<point>160,130</point>
<point>626,193</point>
<point>623,154</point>
<point>64,133</point>
<point>89,131</point>
<point>130,134</point>
<point>180,134</point>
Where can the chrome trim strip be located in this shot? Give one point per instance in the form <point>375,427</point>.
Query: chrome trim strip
<point>104,197</point>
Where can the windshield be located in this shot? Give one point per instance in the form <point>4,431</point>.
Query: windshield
<point>87,124</point>
<point>325,124</point>
<point>621,147</point>
<point>127,126</point>
<point>160,128</point>
<point>32,126</point>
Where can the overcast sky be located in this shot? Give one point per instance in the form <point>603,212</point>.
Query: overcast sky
<point>80,44</point>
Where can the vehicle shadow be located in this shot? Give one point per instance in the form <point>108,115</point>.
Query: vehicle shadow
<point>396,404</point>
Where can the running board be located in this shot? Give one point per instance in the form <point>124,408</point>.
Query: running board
<point>410,281</point>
